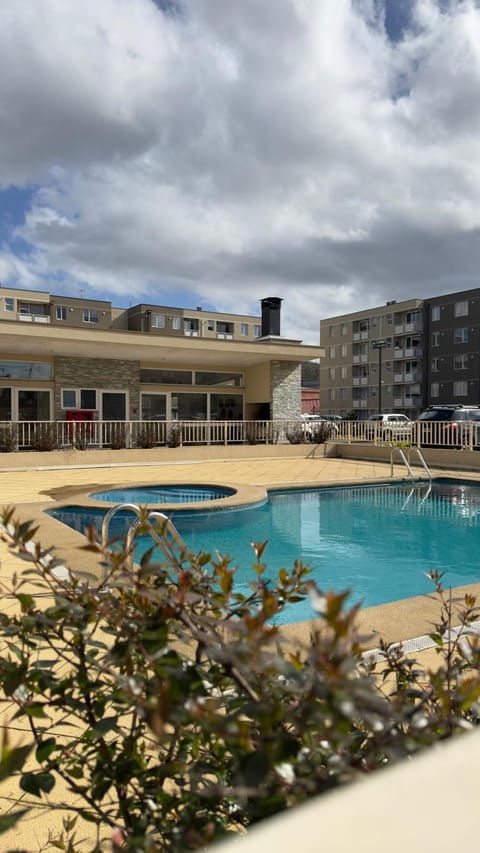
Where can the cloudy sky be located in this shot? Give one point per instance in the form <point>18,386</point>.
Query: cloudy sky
<point>213,152</point>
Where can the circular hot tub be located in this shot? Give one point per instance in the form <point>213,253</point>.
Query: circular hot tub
<point>168,494</point>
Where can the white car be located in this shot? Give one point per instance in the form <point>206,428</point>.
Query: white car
<point>390,426</point>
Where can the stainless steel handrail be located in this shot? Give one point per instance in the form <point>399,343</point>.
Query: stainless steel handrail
<point>160,540</point>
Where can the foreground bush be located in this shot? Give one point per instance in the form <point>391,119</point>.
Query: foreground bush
<point>177,712</point>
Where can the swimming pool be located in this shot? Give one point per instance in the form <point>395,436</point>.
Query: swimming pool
<point>378,541</point>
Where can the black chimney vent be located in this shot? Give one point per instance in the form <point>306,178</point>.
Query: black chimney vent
<point>271,316</point>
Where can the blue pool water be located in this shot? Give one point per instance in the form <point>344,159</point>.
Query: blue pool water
<point>164,494</point>
<point>378,541</point>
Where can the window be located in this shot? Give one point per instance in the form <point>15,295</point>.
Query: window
<point>5,404</point>
<point>79,398</point>
<point>188,407</point>
<point>343,328</point>
<point>158,321</point>
<point>344,351</point>
<point>154,407</point>
<point>25,370</point>
<point>434,389</point>
<point>9,304</point>
<point>90,315</point>
<point>460,336</point>
<point>331,373</point>
<point>33,405</point>
<point>211,326</point>
<point>331,352</point>
<point>166,377</point>
<point>388,319</point>
<point>331,331</point>
<point>435,364</point>
<point>190,325</point>
<point>258,331</point>
<point>435,313</point>
<point>436,339</point>
<point>61,312</point>
<point>244,329</point>
<point>461,308</point>
<point>460,362</point>
<point>459,389</point>
<point>344,372</point>
<point>226,407</point>
<point>331,394</point>
<point>203,377</point>
<point>343,393</point>
<point>176,322</point>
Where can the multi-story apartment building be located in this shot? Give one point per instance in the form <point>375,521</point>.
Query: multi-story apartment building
<point>452,345</point>
<point>62,355</point>
<point>402,356</point>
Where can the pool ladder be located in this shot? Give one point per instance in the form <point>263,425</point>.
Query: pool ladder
<point>406,460</point>
<point>169,530</point>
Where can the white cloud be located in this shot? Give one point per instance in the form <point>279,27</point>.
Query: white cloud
<point>237,150</point>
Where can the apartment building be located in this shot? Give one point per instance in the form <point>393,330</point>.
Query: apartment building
<point>452,346</point>
<point>402,356</point>
<point>61,355</point>
<point>373,360</point>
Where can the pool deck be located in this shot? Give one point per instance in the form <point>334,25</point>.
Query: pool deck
<point>32,491</point>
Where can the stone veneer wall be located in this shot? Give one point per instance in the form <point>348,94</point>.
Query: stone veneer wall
<point>286,389</point>
<point>100,373</point>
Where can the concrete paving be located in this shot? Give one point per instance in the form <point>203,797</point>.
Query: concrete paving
<point>34,491</point>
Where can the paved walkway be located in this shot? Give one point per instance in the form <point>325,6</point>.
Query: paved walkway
<point>33,491</point>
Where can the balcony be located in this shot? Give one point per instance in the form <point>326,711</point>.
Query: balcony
<point>398,353</point>
<point>190,333</point>
<point>33,318</point>
<point>399,329</point>
<point>356,336</point>
<point>416,326</point>
<point>398,378</point>
<point>415,376</point>
<point>412,352</point>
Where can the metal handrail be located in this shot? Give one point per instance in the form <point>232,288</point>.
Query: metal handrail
<point>421,459</point>
<point>169,528</point>
<point>406,461</point>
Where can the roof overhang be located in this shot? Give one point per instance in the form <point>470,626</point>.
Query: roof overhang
<point>36,340</point>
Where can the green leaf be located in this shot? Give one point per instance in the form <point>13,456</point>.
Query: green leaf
<point>36,783</point>
<point>45,749</point>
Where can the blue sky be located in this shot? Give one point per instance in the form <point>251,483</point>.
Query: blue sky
<point>203,152</point>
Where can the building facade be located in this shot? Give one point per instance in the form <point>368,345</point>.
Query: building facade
<point>402,356</point>
<point>61,356</point>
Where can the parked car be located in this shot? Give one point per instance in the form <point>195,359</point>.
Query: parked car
<point>390,426</point>
<point>451,425</point>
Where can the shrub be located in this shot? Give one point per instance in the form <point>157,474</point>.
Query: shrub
<point>148,435</point>
<point>118,436</point>
<point>321,431</point>
<point>296,434</point>
<point>175,436</point>
<point>8,438</point>
<point>176,711</point>
<point>43,437</point>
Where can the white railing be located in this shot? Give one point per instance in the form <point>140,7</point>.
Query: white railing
<point>82,435</point>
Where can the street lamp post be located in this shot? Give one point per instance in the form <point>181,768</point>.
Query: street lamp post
<point>379,345</point>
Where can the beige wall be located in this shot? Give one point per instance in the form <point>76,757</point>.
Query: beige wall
<point>258,383</point>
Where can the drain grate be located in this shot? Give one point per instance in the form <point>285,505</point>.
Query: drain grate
<point>419,644</point>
